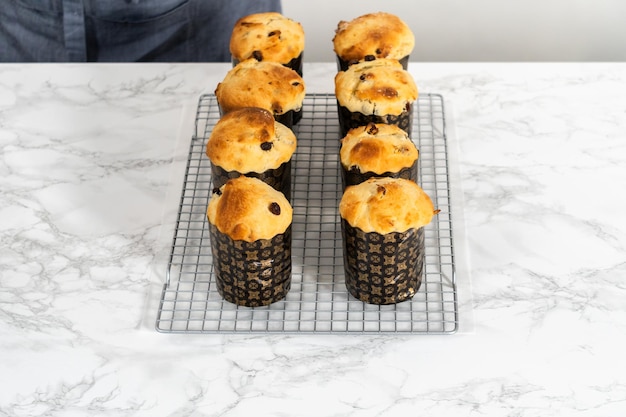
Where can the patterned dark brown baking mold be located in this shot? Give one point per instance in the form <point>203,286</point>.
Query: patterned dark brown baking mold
<point>252,274</point>
<point>279,178</point>
<point>288,118</point>
<point>354,176</point>
<point>295,63</point>
<point>382,268</point>
<point>349,120</point>
<point>343,64</point>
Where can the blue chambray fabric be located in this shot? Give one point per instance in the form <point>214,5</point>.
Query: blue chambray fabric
<point>121,30</point>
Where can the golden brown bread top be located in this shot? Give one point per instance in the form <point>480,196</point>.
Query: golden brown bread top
<point>382,35</point>
<point>380,87</point>
<point>266,84</point>
<point>267,37</point>
<point>249,209</point>
<point>250,140</point>
<point>385,205</point>
<point>377,148</point>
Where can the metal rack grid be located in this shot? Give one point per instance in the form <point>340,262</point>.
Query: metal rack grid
<point>318,301</point>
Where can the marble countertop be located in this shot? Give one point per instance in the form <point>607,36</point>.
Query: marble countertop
<point>91,160</point>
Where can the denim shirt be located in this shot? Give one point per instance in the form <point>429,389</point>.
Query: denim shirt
<point>121,30</point>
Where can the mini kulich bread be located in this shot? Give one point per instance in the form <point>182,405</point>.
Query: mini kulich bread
<point>268,37</point>
<point>373,35</point>
<point>250,233</point>
<point>382,224</point>
<point>268,85</point>
<point>377,150</point>
<point>249,141</point>
<point>378,91</point>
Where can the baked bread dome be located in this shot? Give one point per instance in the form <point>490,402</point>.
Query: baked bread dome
<point>384,205</point>
<point>378,91</point>
<point>268,37</point>
<point>376,87</point>
<point>248,209</point>
<point>250,140</point>
<point>373,35</point>
<point>377,148</point>
<point>268,85</point>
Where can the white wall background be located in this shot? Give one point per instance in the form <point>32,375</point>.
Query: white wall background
<point>480,30</point>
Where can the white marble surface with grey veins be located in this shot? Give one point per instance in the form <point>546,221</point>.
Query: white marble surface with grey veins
<point>91,162</point>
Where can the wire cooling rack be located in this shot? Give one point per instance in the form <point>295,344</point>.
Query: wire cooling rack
<point>318,301</point>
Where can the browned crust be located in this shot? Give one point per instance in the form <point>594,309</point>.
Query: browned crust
<point>268,85</point>
<point>250,140</point>
<point>267,37</point>
<point>385,205</point>
<point>249,209</point>
<point>380,35</point>
<point>377,148</point>
<point>377,87</point>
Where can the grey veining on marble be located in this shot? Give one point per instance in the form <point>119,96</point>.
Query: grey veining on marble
<point>91,158</point>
